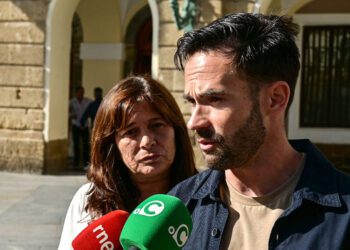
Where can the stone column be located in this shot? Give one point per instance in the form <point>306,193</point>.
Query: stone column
<point>22,35</point>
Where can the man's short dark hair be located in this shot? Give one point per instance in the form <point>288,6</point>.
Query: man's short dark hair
<point>262,47</point>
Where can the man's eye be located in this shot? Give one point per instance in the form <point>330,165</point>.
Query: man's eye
<point>190,101</point>
<point>214,99</point>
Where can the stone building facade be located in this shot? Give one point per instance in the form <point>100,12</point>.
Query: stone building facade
<point>37,51</point>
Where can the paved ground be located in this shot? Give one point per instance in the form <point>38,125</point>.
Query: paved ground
<point>32,209</point>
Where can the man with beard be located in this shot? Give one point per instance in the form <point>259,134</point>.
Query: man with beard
<point>261,191</point>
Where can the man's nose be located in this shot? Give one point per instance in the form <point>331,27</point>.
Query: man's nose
<point>198,118</point>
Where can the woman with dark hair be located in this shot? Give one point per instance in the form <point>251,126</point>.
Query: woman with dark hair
<point>140,147</point>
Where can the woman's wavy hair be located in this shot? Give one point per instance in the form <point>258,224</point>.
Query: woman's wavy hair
<point>113,188</point>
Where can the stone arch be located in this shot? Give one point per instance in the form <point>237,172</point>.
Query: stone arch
<point>293,6</point>
<point>57,51</point>
<point>155,37</point>
<point>56,83</point>
<point>153,6</point>
<point>324,6</point>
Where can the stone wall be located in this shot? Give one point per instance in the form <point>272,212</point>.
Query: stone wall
<point>21,85</point>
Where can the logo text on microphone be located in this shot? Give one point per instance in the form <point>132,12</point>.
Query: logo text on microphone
<point>102,237</point>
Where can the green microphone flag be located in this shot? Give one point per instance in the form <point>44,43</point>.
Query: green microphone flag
<point>159,222</point>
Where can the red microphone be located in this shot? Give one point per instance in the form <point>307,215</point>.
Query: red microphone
<point>103,233</point>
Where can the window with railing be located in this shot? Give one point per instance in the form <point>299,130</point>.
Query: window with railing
<point>325,77</point>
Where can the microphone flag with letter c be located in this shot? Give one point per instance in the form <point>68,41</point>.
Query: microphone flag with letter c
<point>159,222</point>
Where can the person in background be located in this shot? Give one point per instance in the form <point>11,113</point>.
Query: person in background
<point>91,110</point>
<point>80,131</point>
<point>140,147</point>
<point>261,191</point>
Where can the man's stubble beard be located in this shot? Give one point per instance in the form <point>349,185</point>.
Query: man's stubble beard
<point>235,150</point>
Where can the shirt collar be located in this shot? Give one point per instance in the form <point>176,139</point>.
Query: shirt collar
<point>318,181</point>
<point>209,184</point>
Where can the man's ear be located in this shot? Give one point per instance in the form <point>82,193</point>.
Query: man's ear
<point>278,96</point>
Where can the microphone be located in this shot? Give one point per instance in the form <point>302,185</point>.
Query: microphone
<point>159,222</point>
<point>103,233</point>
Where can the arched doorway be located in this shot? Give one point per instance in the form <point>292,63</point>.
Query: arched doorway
<point>138,41</point>
<point>75,77</point>
<point>143,61</point>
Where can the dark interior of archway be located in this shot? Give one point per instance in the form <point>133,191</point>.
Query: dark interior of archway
<point>76,66</point>
<point>138,41</point>
<point>143,56</point>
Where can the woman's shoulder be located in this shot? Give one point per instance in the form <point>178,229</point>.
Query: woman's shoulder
<point>79,200</point>
<point>84,189</point>
<point>77,218</point>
